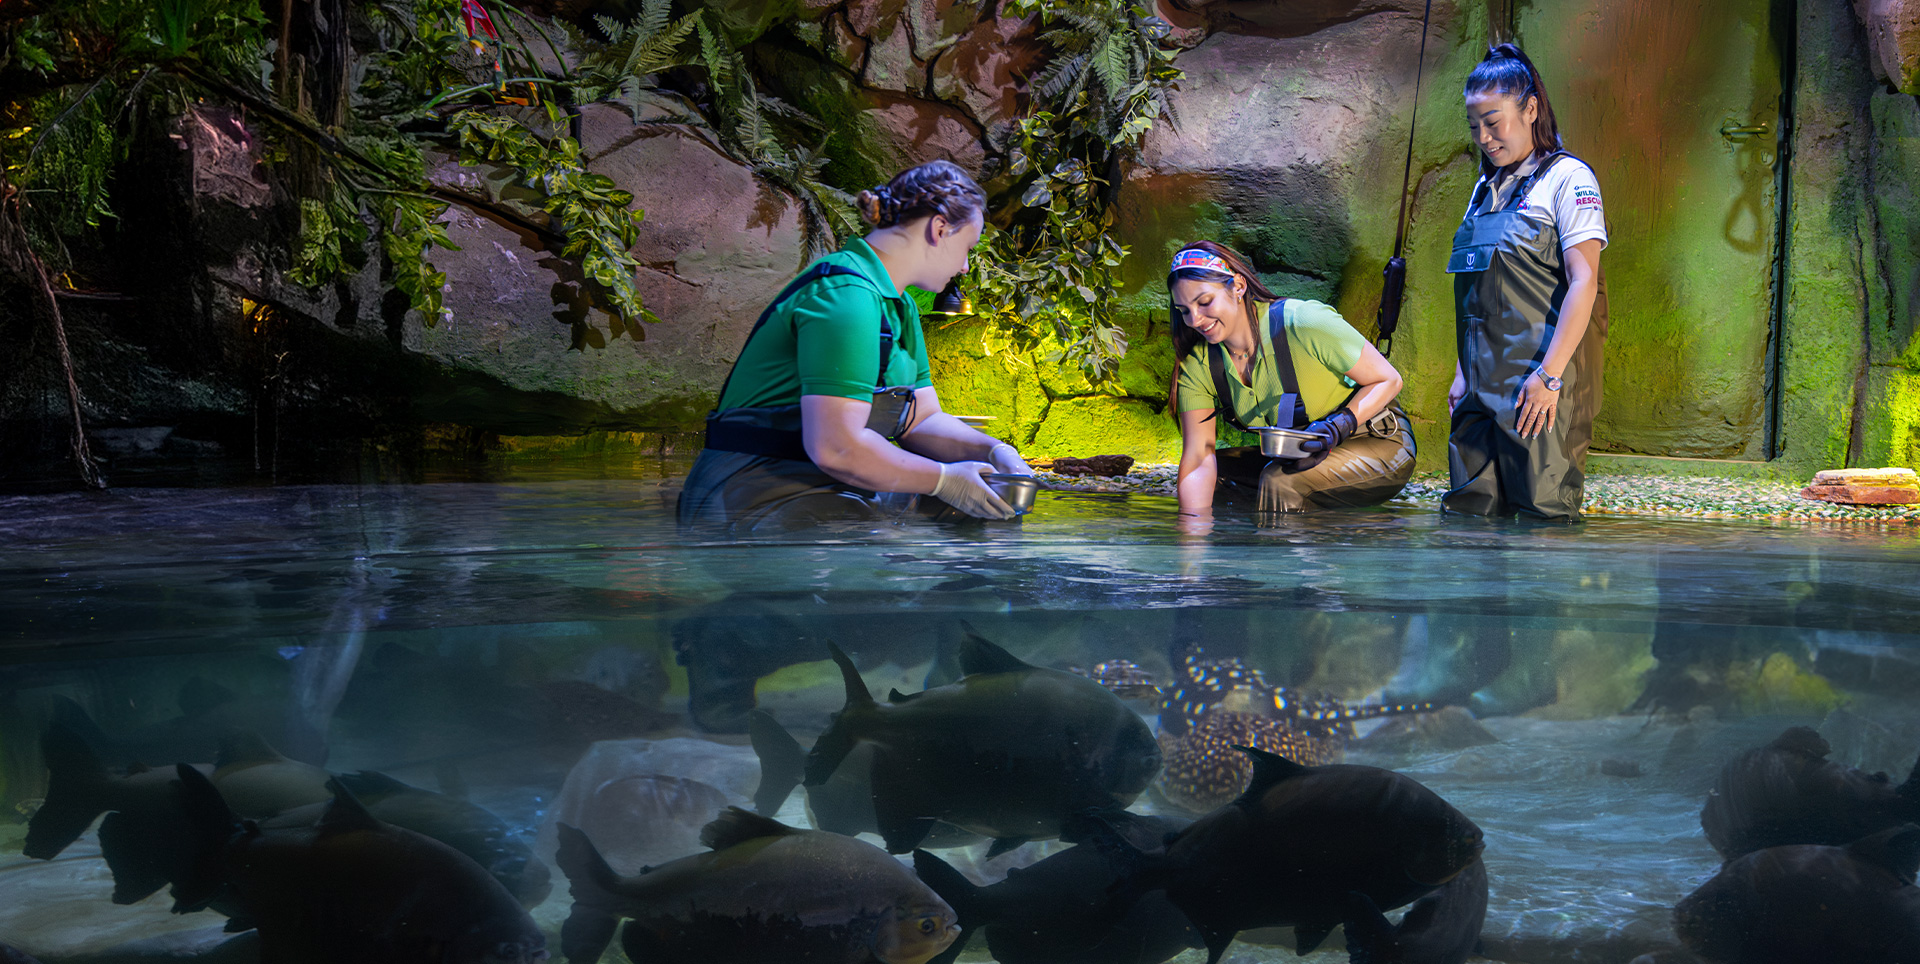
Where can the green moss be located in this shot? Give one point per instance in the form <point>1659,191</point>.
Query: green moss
<point>802,77</point>
<point>1103,425</point>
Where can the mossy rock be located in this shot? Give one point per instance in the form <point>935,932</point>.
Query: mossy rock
<point>1104,425</point>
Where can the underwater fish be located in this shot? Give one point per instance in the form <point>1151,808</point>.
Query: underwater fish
<point>1441,928</point>
<point>766,893</point>
<point>843,804</point>
<point>348,888</point>
<point>80,788</point>
<point>209,713</point>
<point>258,782</point>
<point>470,829</point>
<point>1788,792</point>
<point>1058,911</point>
<point>1290,850</point>
<point>1008,751</point>
<point>1810,902</point>
<point>1222,704</point>
<point>1126,678</point>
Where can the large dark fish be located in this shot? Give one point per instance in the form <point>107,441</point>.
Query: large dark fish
<point>465,827</point>
<point>80,788</point>
<point>765,894</point>
<point>1291,850</point>
<point>1441,928</point>
<point>843,804</point>
<point>1788,792</point>
<point>1059,911</point>
<point>1008,751</point>
<point>349,888</point>
<point>1809,902</point>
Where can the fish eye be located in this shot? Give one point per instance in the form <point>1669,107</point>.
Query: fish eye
<point>926,925</point>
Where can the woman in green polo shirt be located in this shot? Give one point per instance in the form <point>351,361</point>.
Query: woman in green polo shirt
<point>1326,378</point>
<point>830,411</point>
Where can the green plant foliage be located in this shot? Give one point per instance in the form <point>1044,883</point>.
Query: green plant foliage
<point>1050,279</point>
<point>620,71</point>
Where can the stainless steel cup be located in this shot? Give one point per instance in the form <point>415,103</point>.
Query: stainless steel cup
<point>1284,443</point>
<point>1017,491</point>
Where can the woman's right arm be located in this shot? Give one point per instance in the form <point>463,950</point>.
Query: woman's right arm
<point>1198,469</point>
<point>835,432</point>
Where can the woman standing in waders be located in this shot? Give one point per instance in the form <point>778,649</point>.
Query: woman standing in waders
<point>1530,306</point>
<point>829,412</point>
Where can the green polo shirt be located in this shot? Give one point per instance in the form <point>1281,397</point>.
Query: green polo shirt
<point>825,340</point>
<point>1324,348</point>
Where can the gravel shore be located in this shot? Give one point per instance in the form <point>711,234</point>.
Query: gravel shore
<point>1607,495</point>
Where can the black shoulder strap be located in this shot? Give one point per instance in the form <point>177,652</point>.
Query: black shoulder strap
<point>1282,356</point>
<point>818,271</point>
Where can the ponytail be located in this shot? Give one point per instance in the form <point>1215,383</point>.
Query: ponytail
<point>1507,70</point>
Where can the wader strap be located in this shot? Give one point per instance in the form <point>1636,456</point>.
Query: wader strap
<point>772,442</point>
<point>1282,357</point>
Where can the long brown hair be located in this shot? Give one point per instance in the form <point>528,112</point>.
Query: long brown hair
<point>1185,339</point>
<point>1506,70</point>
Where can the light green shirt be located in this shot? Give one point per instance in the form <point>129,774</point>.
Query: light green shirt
<point>825,340</point>
<point>1324,348</point>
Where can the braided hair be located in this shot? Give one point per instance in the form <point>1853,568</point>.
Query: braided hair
<point>1506,70</point>
<point>936,187</point>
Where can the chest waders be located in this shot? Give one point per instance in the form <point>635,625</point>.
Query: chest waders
<point>1368,468</point>
<point>755,466</point>
<point>1509,279</point>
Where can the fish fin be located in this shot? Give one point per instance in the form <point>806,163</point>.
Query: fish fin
<point>897,813</point>
<point>1896,848</point>
<point>968,900</point>
<point>834,745</point>
<point>345,812</point>
<point>199,696</point>
<point>76,788</point>
<point>246,746</point>
<point>1268,769</point>
<point>1003,844</point>
<point>452,782</point>
<point>210,825</point>
<point>236,925</point>
<point>979,655</point>
<point>1802,739</point>
<point>371,783</point>
<point>737,826</point>
<point>782,762</point>
<point>590,924</point>
<point>1216,941</point>
<point>895,696</point>
<point>123,847</point>
<point>945,667</point>
<point>1306,937</point>
<point>1368,931</point>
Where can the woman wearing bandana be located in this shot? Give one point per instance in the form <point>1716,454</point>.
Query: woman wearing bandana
<point>1245,359</point>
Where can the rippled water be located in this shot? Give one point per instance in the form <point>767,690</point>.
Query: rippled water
<point>118,599</point>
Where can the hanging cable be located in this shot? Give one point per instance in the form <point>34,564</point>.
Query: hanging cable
<point>1394,286</point>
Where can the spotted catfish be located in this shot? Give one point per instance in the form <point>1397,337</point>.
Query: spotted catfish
<point>1008,751</point>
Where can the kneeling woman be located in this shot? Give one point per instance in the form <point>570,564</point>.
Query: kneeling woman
<point>1246,359</point>
<point>830,406</point>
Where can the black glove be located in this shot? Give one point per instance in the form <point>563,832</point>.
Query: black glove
<point>1333,430</point>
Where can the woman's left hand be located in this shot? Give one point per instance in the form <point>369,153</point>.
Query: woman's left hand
<point>1006,459</point>
<point>1537,407</point>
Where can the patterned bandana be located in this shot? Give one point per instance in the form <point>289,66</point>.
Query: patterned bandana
<point>1200,258</point>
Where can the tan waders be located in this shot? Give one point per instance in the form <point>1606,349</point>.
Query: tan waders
<point>1509,278</point>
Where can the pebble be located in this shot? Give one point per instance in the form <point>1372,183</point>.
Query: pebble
<point>1606,495</point>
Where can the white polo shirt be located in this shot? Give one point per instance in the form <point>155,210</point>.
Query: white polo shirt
<point>1568,197</point>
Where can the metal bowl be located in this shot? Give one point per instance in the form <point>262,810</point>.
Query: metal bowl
<point>1284,443</point>
<point>1017,491</point>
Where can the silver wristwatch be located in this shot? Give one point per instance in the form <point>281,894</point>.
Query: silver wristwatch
<point>1553,384</point>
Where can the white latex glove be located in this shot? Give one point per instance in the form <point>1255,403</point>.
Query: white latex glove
<point>1007,459</point>
<point>962,487</point>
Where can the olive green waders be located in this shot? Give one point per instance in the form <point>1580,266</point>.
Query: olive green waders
<point>1509,278</point>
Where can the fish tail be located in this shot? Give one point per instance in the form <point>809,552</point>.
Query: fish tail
<point>834,745</point>
<point>783,764</point>
<point>210,824</point>
<point>76,790</point>
<point>590,924</point>
<point>1369,935</point>
<point>1911,791</point>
